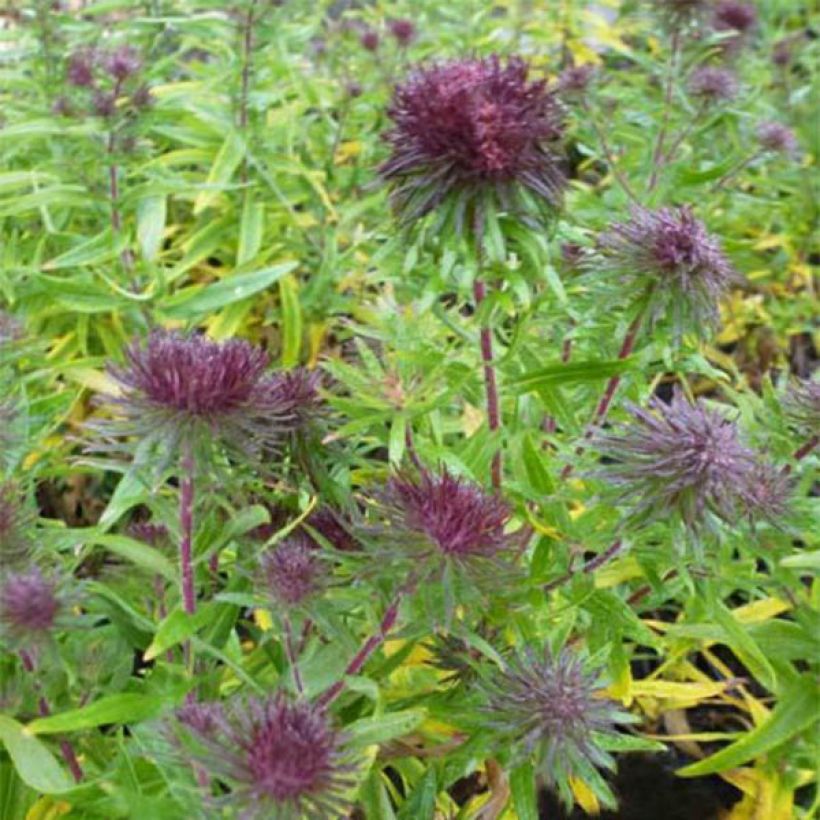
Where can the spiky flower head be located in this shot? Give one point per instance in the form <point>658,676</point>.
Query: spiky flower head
<point>370,40</point>
<point>712,85</point>
<point>774,136</point>
<point>122,62</point>
<point>730,15</point>
<point>334,527</point>
<point>768,493</point>
<point>575,79</point>
<point>679,458</point>
<point>155,535</point>
<point>281,760</point>
<point>29,604</point>
<point>670,252</point>
<point>468,133</point>
<point>403,31</point>
<point>15,521</point>
<point>293,570</point>
<point>177,387</point>
<point>298,392</point>
<point>80,69</point>
<point>801,404</point>
<point>551,706</point>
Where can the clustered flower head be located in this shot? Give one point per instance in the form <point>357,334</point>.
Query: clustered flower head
<point>468,131</point>
<point>774,136</point>
<point>679,458</point>
<point>551,706</point>
<point>15,520</point>
<point>280,759</point>
<point>293,570</point>
<point>730,15</point>
<point>148,532</point>
<point>575,79</point>
<point>370,40</point>
<point>29,604</point>
<point>182,386</point>
<point>801,405</point>
<point>671,252</point>
<point>403,31</point>
<point>712,84</point>
<point>456,518</point>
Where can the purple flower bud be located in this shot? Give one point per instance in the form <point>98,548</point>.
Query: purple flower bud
<point>104,104</point>
<point>279,759</point>
<point>155,535</point>
<point>122,62</point>
<point>80,71</point>
<point>768,493</point>
<point>370,40</point>
<point>403,31</point>
<point>551,706</point>
<point>142,97</point>
<point>293,571</point>
<point>671,251</point>
<point>15,521</point>
<point>575,79</point>
<point>457,518</point>
<point>801,406</point>
<point>297,392</point>
<point>713,85</point>
<point>731,15</point>
<point>28,604</point>
<point>773,136</point>
<point>678,458</point>
<point>469,129</point>
<point>334,527</point>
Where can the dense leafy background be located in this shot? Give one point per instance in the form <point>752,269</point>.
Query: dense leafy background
<point>251,210</point>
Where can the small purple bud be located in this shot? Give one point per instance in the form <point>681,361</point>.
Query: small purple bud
<point>80,71</point>
<point>713,85</point>
<point>403,31</point>
<point>142,97</point>
<point>155,535</point>
<point>293,571</point>
<point>575,80</point>
<point>370,40</point>
<point>774,136</point>
<point>104,104</point>
<point>28,603</point>
<point>731,15</point>
<point>122,62</point>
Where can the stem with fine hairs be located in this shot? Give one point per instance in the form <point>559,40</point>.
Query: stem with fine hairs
<point>491,386</point>
<point>292,655</point>
<point>186,527</point>
<point>247,54</point>
<point>801,452</point>
<point>657,155</point>
<point>594,563</point>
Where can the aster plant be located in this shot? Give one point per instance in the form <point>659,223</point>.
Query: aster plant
<point>551,708</point>
<point>277,759</point>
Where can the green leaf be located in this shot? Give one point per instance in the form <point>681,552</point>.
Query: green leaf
<point>422,801</point>
<point>378,729</point>
<point>522,788</point>
<point>151,215</point>
<point>803,560</point>
<point>251,229</point>
<point>227,161</point>
<point>568,373</point>
<point>99,248</point>
<point>796,711</point>
<point>34,763</point>
<point>144,556</point>
<point>291,321</point>
<point>123,708</point>
<point>199,300</point>
<point>177,627</point>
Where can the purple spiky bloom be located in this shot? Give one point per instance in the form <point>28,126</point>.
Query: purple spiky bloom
<point>334,527</point>
<point>671,252</point>
<point>293,570</point>
<point>774,136</point>
<point>279,759</point>
<point>104,104</point>
<point>370,40</point>
<point>768,493</point>
<point>15,520</point>
<point>551,707</point>
<point>801,405</point>
<point>298,391</point>
<point>470,129</point>
<point>678,458</point>
<point>403,31</point>
<point>80,69</point>
<point>575,79</point>
<point>730,15</point>
<point>712,85</point>
<point>177,387</point>
<point>29,604</point>
<point>121,62</point>
<point>155,535</point>
<point>456,517</point>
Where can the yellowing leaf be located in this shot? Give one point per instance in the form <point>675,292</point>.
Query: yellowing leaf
<point>676,690</point>
<point>585,796</point>
<point>262,618</point>
<point>47,808</point>
<point>346,151</point>
<point>759,611</point>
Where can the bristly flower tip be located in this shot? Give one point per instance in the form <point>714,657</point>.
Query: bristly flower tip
<point>293,570</point>
<point>731,15</point>
<point>712,84</point>
<point>15,543</point>
<point>29,604</point>
<point>801,405</point>
<point>774,136</point>
<point>403,31</point>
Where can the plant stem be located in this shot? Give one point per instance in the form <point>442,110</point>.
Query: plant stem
<point>247,55</point>
<point>66,749</point>
<point>684,133</point>
<point>801,452</point>
<point>733,172</point>
<point>657,155</point>
<point>491,386</point>
<point>594,563</point>
<point>186,525</point>
<point>610,156</point>
<point>612,385</point>
<point>292,655</point>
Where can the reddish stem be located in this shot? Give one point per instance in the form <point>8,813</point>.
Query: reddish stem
<point>186,526</point>
<point>493,413</point>
<point>601,411</point>
<point>594,563</point>
<point>292,656</point>
<point>657,155</point>
<point>801,452</point>
<point>247,46</point>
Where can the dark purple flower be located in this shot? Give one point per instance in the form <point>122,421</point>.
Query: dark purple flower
<point>370,40</point>
<point>470,129</point>
<point>801,405</point>
<point>731,15</point>
<point>768,493</point>
<point>671,252</point>
<point>15,522</point>
<point>28,604</point>
<point>80,71</point>
<point>298,393</point>
<point>334,527</point>
<point>712,84</point>
<point>456,517</point>
<point>279,759</point>
<point>678,458</point>
<point>122,62</point>
<point>575,79</point>
<point>142,97</point>
<point>293,570</point>
<point>774,136</point>
<point>403,31</point>
<point>104,104</point>
<point>189,387</point>
<point>551,707</point>
<point>155,535</point>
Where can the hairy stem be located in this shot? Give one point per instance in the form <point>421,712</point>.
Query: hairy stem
<point>801,452</point>
<point>247,59</point>
<point>186,526</point>
<point>657,155</point>
<point>491,386</point>
<point>594,563</point>
<point>292,655</point>
<point>733,172</point>
<point>684,133</point>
